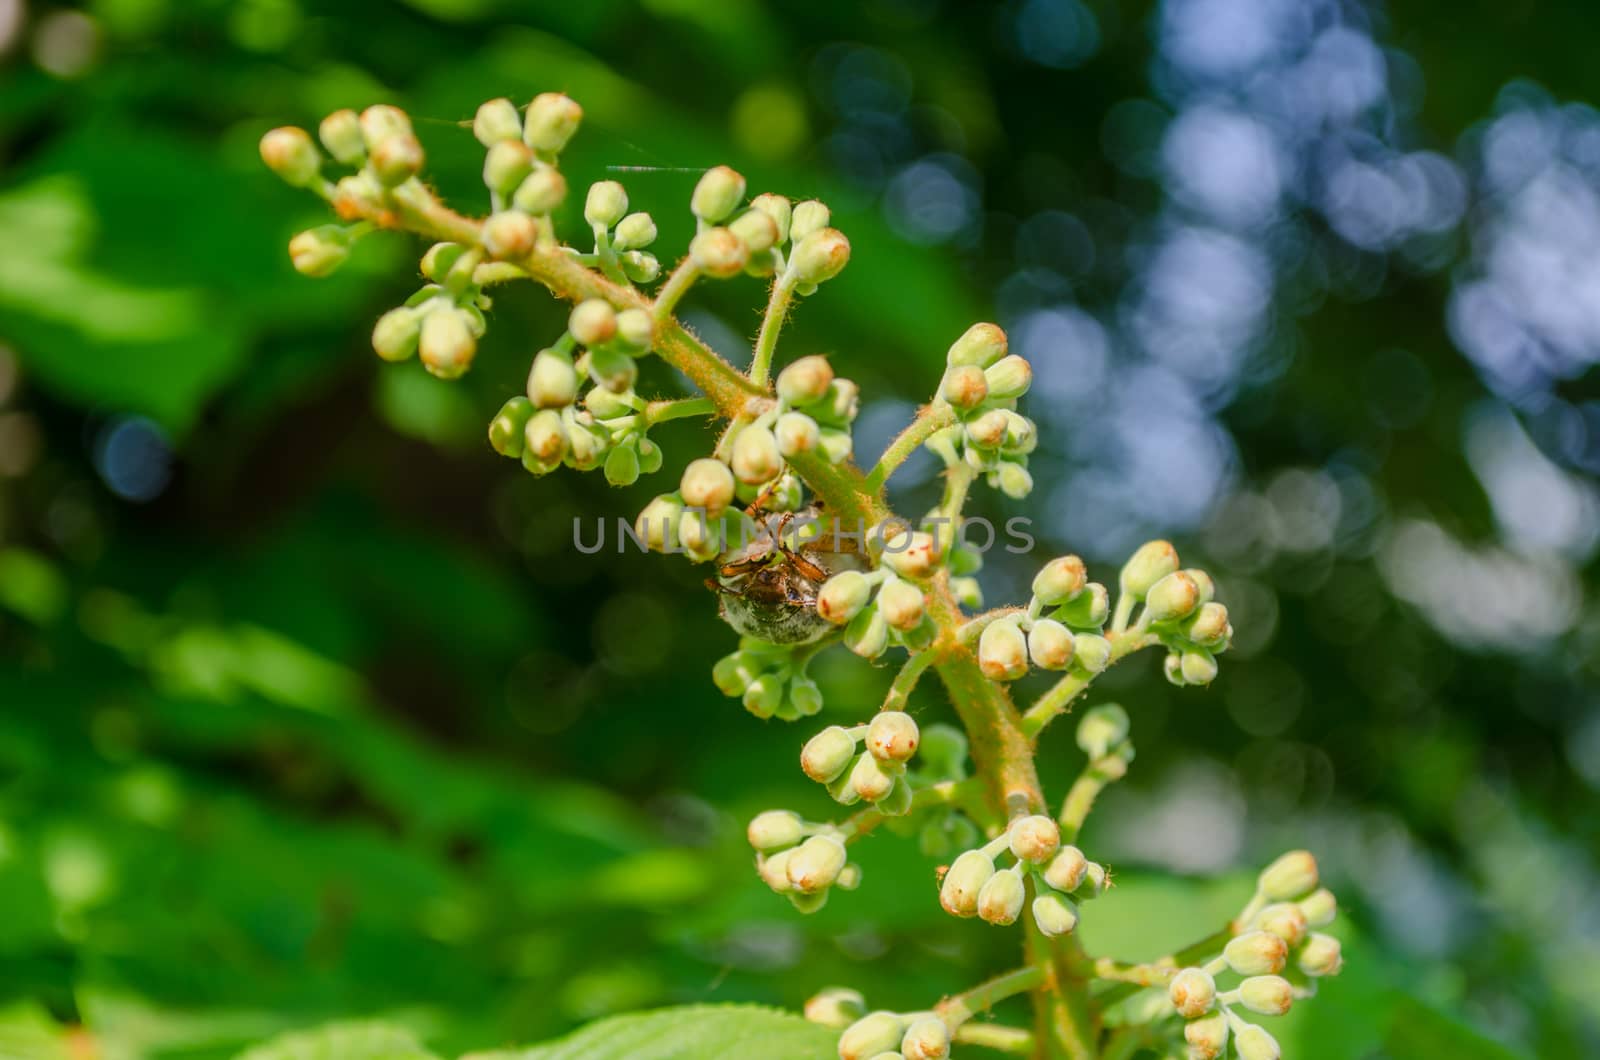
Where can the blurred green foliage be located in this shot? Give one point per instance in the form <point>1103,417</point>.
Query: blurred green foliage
<point>328,724</point>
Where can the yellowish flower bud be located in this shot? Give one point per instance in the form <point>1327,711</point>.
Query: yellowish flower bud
<point>1034,839</point>
<point>606,203</point>
<point>1102,728</point>
<point>827,755</point>
<point>1002,651</point>
<point>926,1039</point>
<point>774,870</point>
<point>1291,877</point>
<point>1060,580</point>
<point>1153,561</point>
<point>551,120</point>
<point>774,830</point>
<point>1009,378</point>
<point>1054,914</point>
<point>965,386</point>
<point>340,133</point>
<point>843,596</point>
<point>1174,596</point>
<point>290,154</point>
<point>707,484</point>
<point>867,634</point>
<point>1270,995</point>
<point>909,552</point>
<point>1092,651</point>
<point>987,431</point>
<point>319,251</point>
<point>1256,953</point>
<point>958,893</point>
<point>756,230</point>
<point>545,437</point>
<point>719,253</point>
<point>893,736</point>
<point>1050,645</point>
<point>593,322</point>
<point>820,256</point>
<point>835,1006</point>
<point>634,232</point>
<point>381,121</point>
<point>1066,870</point>
<point>395,159</point>
<point>1207,1036</point>
<point>1197,667</point>
<point>1320,956</point>
<point>1000,900</point>
<point>778,208</point>
<point>1254,1043</point>
<point>901,605</point>
<point>806,380</point>
<point>497,121</point>
<point>395,335</point>
<point>1319,907</point>
<point>509,235</point>
<point>980,345</point>
<point>816,863</point>
<point>1284,920</point>
<point>446,344</point>
<point>540,191</point>
<point>657,527</point>
<point>755,458</point>
<point>1208,626</point>
<point>1192,992</point>
<point>870,779</point>
<point>808,217</point>
<point>870,1036</point>
<point>797,434</point>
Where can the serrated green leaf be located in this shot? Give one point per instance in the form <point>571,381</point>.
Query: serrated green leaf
<point>343,1041</point>
<point>689,1032</point>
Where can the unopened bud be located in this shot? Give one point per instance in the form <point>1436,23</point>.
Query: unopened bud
<point>657,526</point>
<point>867,634</point>
<point>778,208</point>
<point>1034,839</point>
<point>980,345</point>
<point>1000,900</point>
<point>290,154</point>
<point>808,217</point>
<point>446,344</point>
<point>911,553</point>
<point>733,673</point>
<point>545,436</point>
<point>719,253</point>
<point>901,605</point>
<point>635,329</point>
<point>893,736</point>
<point>820,256</point>
<point>1102,728</point>
<point>835,1006</point>
<point>816,863</point>
<point>497,121</point>
<point>622,462</point>
<point>707,484</point>
<point>1284,920</point>
<point>1153,561</point>
<point>807,903</point>
<point>1270,995</point>
<point>965,386</point>
<point>843,596</point>
<point>1022,436</point>
<point>1174,596</point>
<point>1319,907</point>
<point>1320,956</point>
<point>551,120</point>
<point>509,234</point>
<point>1197,667</point>
<point>641,267</point>
<point>926,1039</point>
<point>1008,378</point>
<point>1088,609</point>
<point>319,251</point>
<point>755,457</point>
<point>1292,876</point>
<point>606,203</point>
<point>1203,581</point>
<point>774,830</point>
<point>507,427</point>
<point>593,322</point>
<point>395,159</point>
<point>1013,480</point>
<point>1096,881</point>
<point>968,593</point>
<point>1208,626</point>
<point>1054,914</point>
<point>717,195</point>
<point>381,121</point>
<point>828,754</point>
<point>958,894</point>
<point>1059,580</point>
<point>1256,953</point>
<point>870,779</point>
<point>506,165</point>
<point>797,434</point>
<point>1207,1036</point>
<point>649,457</point>
<point>395,335</point>
<point>552,381</point>
<point>988,431</point>
<point>1067,869</point>
<point>439,259</point>
<point>1172,669</point>
<point>871,1035</point>
<point>340,133</point>
<point>842,402</point>
<point>1050,645</point>
<point>634,232</point>
<point>805,696</point>
<point>1254,1043</point>
<point>774,870</point>
<point>757,231</point>
<point>1092,651</point>
<point>702,539</point>
<point>540,191</point>
<point>806,380</point>
<point>1192,992</point>
<point>1002,651</point>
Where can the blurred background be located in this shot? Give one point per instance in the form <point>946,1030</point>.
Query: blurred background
<point>307,710</point>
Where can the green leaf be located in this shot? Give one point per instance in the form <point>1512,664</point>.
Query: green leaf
<point>1417,1032</point>
<point>690,1032</point>
<point>343,1041</point>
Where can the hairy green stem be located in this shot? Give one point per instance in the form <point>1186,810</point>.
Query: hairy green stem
<point>1055,702</point>
<point>1012,1040</point>
<point>1187,956</point>
<point>1090,783</point>
<point>905,681</point>
<point>929,419</point>
<point>960,1008</point>
<point>771,324</point>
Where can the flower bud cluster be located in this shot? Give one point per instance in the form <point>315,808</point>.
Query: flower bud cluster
<point>883,1035</point>
<point>770,679</point>
<point>982,382</point>
<point>974,885</point>
<point>814,412</point>
<point>866,763</point>
<point>1062,629</point>
<point>800,860</point>
<point>620,237</point>
<point>877,609</point>
<point>1179,609</point>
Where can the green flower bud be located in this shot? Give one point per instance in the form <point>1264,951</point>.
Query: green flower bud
<point>755,458</point>
<point>395,335</point>
<point>446,344</point>
<point>1102,728</point>
<point>1319,907</point>
<point>649,457</point>
<point>1270,995</point>
<point>871,1035</point>
<point>827,755</point>
<point>552,119</point>
<point>732,673</point>
<point>1207,1036</point>
<point>1320,956</point>
<point>1008,378</point>
<point>319,251</point>
<point>778,208</point>
<point>1054,914</point>
<point>1022,437</point>
<point>635,330</point>
<point>1013,480</point>
<point>926,1039</point>
<point>613,369</point>
<point>506,165</point>
<point>835,1006</point>
<point>836,445</point>
<point>775,830</point>
<point>622,466</point>
<point>805,381</point>
<point>988,430</point>
<point>1067,869</point>
<point>893,736</point>
<point>593,322</point>
<point>540,191</point>
<point>911,553</point>
<point>1153,561</point>
<point>1284,920</point>
<point>1208,626</point>
<point>1174,596</point>
<point>1292,876</point>
<point>507,427</point>
<point>552,381</point>
<point>867,634</point>
<point>395,159</point>
<point>1256,953</point>
<point>807,903</point>
<point>757,231</point>
<point>497,121</point>
<point>439,259</point>
<point>719,253</point>
<point>641,267</point>
<point>381,121</point>
<point>1192,992</point>
<point>1207,587</point>
<point>1096,881</point>
<point>717,195</point>
<point>588,445</point>
<point>1093,652</point>
<point>606,204</point>
<point>796,434</point>
<point>843,596</point>
<point>805,696</point>
<point>1000,900</point>
<point>958,892</point>
<point>968,593</point>
<point>1002,651</point>
<point>841,791</point>
<point>634,232</point>
<point>898,802</point>
<point>1172,669</point>
<point>509,235</point>
<point>707,484</point>
<point>1087,610</point>
<point>980,345</point>
<point>1198,667</point>
<point>842,402</point>
<point>1254,1043</point>
<point>965,386</point>
<point>1059,580</point>
<point>340,133</point>
<point>657,526</point>
<point>545,436</point>
<point>1050,645</point>
<point>901,605</point>
<point>816,863</point>
<point>290,154</point>
<point>820,256</point>
<point>787,494</point>
<point>603,404</point>
<point>1034,839</point>
<point>808,217</point>
<point>765,694</point>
